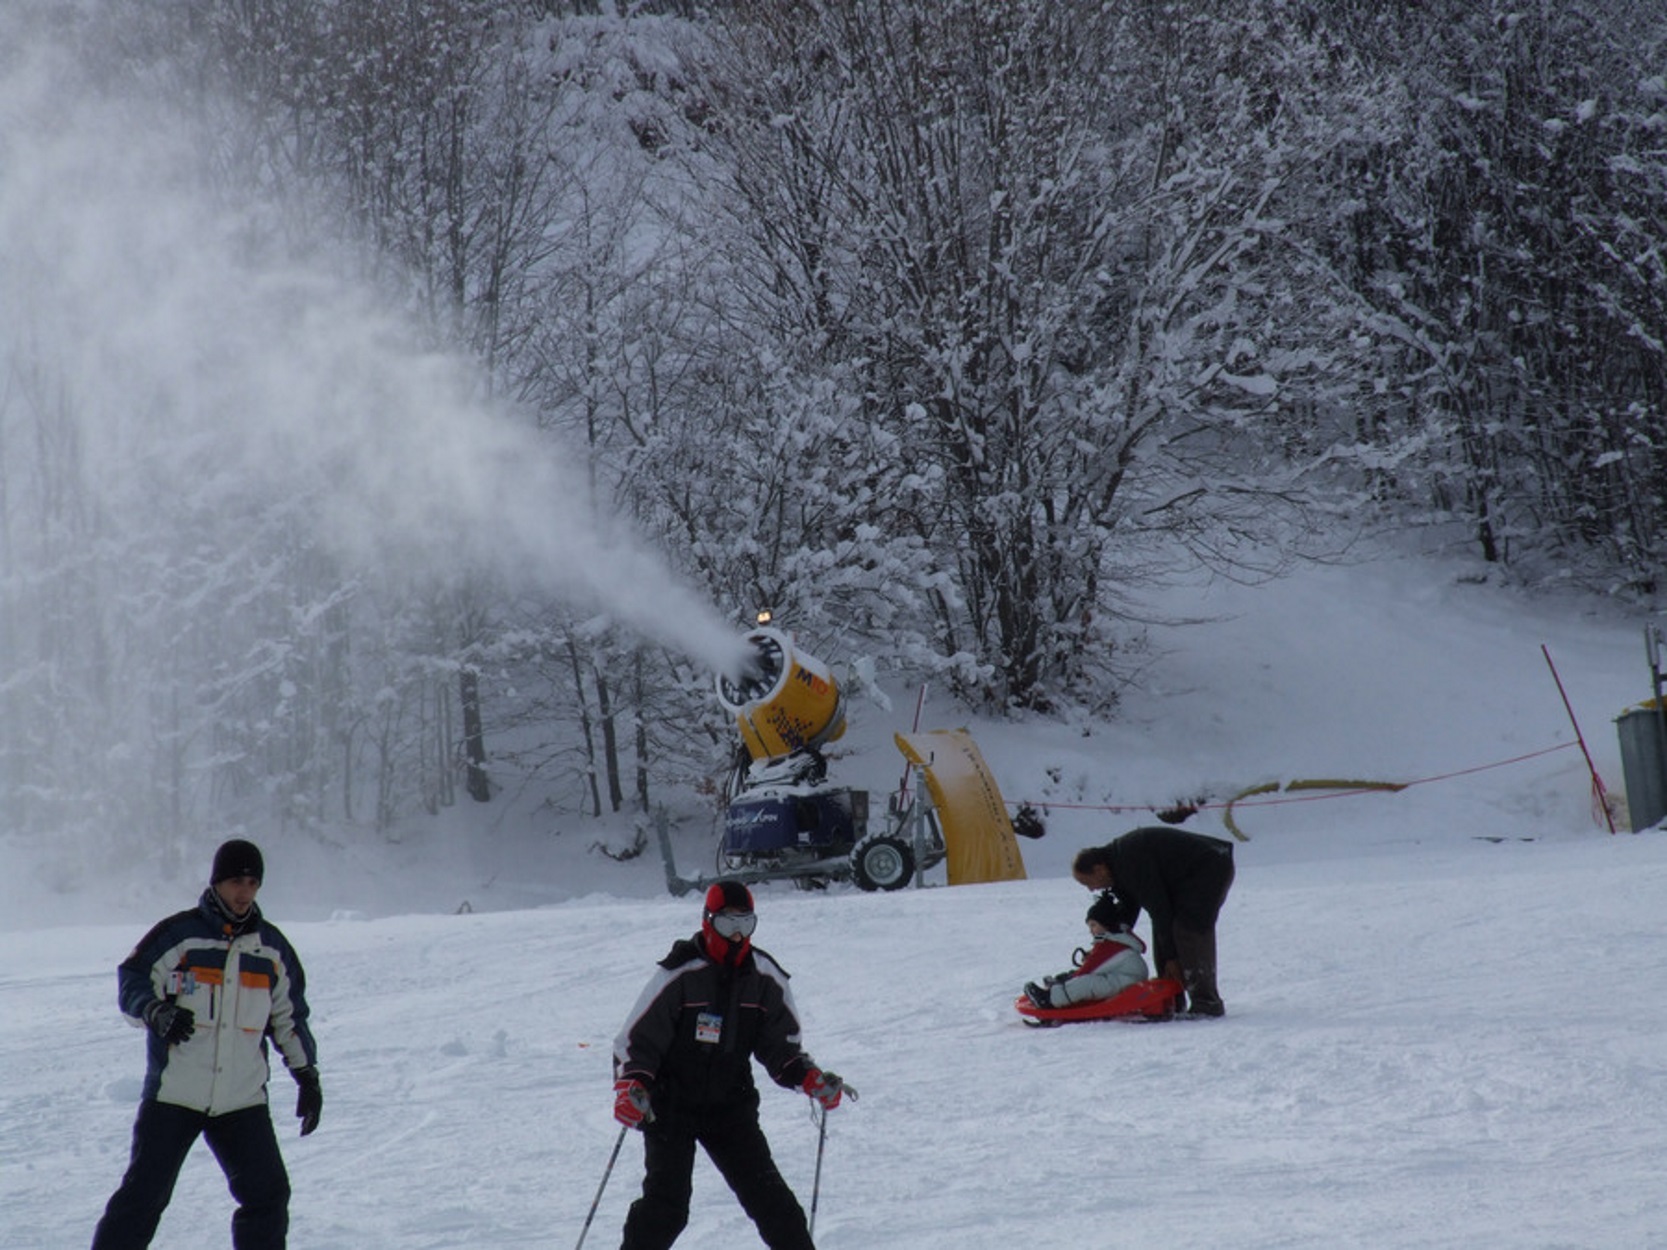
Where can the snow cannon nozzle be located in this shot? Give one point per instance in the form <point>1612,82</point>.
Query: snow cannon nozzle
<point>749,676</point>
<point>783,700</point>
<point>755,670</point>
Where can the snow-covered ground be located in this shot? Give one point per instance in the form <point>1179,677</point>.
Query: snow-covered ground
<point>1445,1004</point>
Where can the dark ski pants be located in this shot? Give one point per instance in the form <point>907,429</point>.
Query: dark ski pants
<point>245,1146</point>
<point>1190,940</point>
<point>737,1147</point>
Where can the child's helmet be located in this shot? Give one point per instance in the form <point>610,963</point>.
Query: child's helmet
<point>728,937</point>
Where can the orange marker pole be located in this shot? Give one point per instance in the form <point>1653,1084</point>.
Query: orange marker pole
<point>1598,791</point>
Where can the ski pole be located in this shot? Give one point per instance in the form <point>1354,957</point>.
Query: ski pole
<point>597,1201</point>
<point>816,1185</point>
<point>821,1144</point>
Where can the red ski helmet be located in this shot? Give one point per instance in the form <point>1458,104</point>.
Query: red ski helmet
<point>727,921</point>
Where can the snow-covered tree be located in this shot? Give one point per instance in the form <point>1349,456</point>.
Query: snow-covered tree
<point>1043,246</point>
<point>1511,242</point>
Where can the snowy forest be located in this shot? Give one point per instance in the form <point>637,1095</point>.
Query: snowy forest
<point>354,354</point>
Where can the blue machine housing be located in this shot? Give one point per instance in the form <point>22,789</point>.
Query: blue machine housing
<point>772,821</point>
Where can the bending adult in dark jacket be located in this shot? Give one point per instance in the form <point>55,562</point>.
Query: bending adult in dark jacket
<point>1180,880</point>
<point>683,1074</point>
<point>212,986</point>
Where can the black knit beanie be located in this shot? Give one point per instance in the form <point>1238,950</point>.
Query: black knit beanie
<point>237,858</point>
<point>1108,911</point>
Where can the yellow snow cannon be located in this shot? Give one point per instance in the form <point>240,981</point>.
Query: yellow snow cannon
<point>786,701</point>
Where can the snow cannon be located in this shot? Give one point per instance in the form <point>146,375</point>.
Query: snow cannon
<point>786,702</point>
<point>784,821</point>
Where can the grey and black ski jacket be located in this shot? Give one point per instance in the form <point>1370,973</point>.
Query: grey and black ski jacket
<point>698,1025</point>
<point>242,982</point>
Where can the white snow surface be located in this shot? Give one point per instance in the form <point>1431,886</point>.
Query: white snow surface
<point>1446,1004</point>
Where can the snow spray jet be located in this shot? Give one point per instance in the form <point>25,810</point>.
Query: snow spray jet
<point>204,361</point>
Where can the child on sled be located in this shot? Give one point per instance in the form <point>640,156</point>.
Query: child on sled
<point>1113,961</point>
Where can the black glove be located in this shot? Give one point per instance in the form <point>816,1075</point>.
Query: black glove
<point>169,1021</point>
<point>309,1098</point>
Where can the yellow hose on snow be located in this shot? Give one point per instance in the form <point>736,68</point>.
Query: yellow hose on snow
<point>1313,783</point>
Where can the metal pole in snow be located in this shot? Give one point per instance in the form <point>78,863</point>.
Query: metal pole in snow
<point>1652,649</point>
<point>1597,781</point>
<point>821,1144</point>
<point>816,1185</point>
<point>908,764</point>
<point>597,1201</point>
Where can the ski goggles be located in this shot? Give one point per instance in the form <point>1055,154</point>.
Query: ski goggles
<point>734,924</point>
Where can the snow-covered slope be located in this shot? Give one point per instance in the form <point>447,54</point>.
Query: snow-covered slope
<point>1444,1003</point>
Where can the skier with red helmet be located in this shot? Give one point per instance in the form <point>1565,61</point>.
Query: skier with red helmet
<point>683,1075</point>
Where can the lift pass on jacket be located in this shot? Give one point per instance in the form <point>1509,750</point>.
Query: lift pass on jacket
<point>709,1027</point>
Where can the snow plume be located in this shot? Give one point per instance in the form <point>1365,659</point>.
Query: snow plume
<point>198,359</point>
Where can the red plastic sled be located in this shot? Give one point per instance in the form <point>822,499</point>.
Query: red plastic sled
<point>1149,1000</point>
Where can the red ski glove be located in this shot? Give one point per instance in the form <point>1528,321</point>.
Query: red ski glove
<point>825,1087</point>
<point>631,1103</point>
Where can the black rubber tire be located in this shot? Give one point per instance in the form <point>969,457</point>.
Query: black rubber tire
<point>882,862</point>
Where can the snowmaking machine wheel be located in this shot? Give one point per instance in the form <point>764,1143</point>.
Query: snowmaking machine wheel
<point>882,862</point>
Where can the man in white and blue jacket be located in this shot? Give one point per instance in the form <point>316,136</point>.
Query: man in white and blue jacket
<point>211,986</point>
